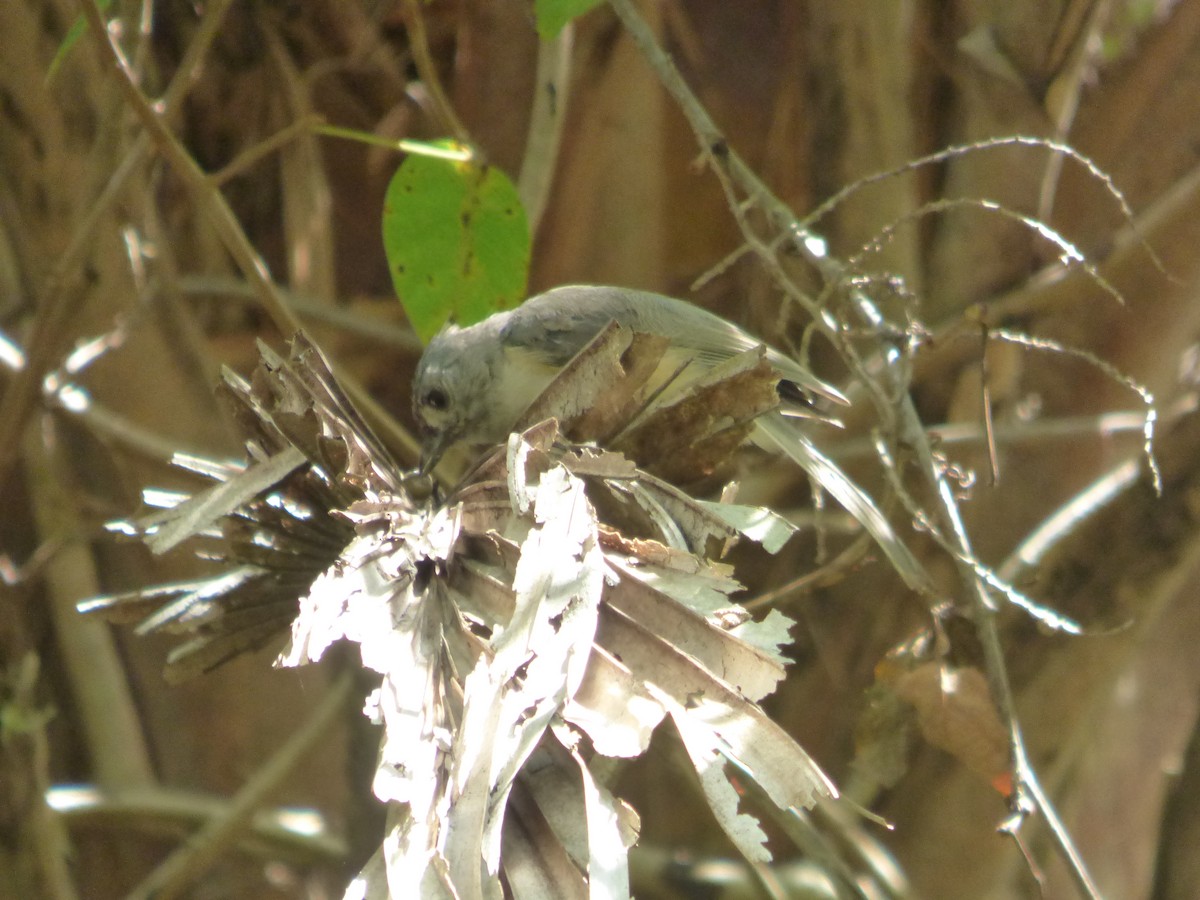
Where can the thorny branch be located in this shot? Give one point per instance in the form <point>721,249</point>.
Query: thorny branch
<point>888,391</point>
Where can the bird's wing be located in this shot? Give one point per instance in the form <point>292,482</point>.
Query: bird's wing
<point>557,324</point>
<point>715,340</point>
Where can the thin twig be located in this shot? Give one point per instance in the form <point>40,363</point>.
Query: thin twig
<point>161,812</point>
<point>211,202</point>
<point>1056,347</point>
<point>1067,427</point>
<point>1068,519</point>
<point>418,42</point>
<point>837,569</point>
<point>311,310</point>
<point>264,148</point>
<point>1071,81</point>
<point>224,221</point>
<point>51,849</point>
<point>64,289</point>
<point>1019,433</point>
<point>307,198</point>
<point>287,834</point>
<point>190,861</point>
<point>110,425</point>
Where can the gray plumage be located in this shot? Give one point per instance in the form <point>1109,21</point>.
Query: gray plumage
<point>472,384</point>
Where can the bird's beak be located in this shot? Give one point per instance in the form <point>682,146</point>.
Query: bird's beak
<point>432,448</point>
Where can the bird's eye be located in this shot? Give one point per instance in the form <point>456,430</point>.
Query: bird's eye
<point>435,398</point>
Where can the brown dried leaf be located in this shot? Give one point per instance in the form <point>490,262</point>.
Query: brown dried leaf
<point>626,395</point>
<point>955,712</point>
<point>747,668</point>
<point>593,373</point>
<point>695,434</point>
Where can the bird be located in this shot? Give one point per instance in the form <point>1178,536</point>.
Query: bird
<point>472,384</point>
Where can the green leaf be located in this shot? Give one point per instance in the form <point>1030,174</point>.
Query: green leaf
<point>457,241</point>
<point>552,15</point>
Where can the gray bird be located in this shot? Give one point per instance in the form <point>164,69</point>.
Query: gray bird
<point>472,384</point>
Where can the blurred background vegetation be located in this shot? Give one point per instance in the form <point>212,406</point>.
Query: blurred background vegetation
<point>105,234</point>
